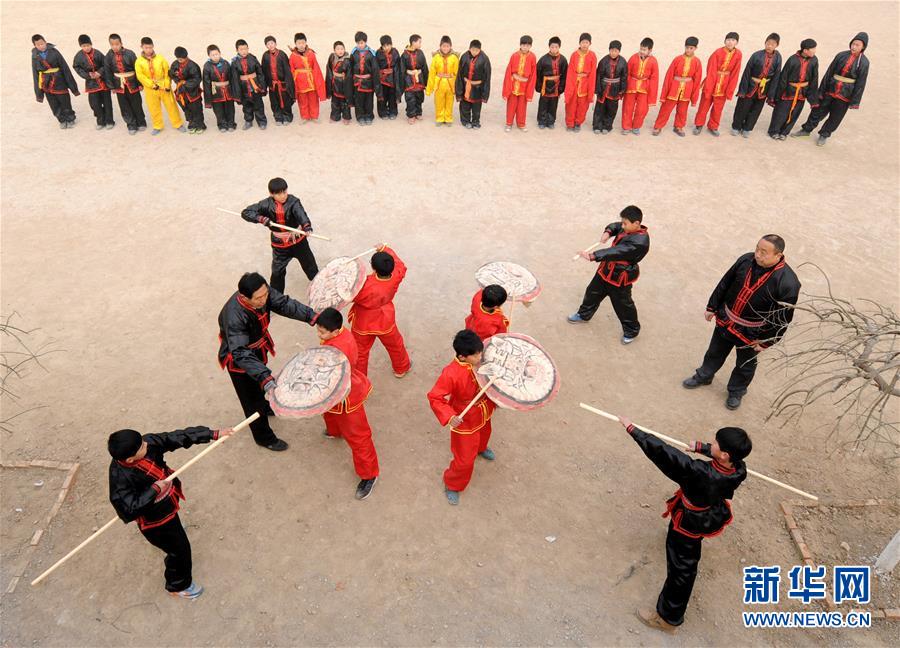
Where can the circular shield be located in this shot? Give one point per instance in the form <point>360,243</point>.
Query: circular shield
<point>525,376</point>
<point>520,284</point>
<point>337,284</point>
<point>311,383</point>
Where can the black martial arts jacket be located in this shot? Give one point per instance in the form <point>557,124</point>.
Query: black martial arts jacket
<point>290,213</point>
<point>413,60</point>
<point>389,70</point>
<point>551,75</point>
<point>611,75</point>
<point>364,71</point>
<point>121,62</point>
<point>619,262</point>
<point>84,64</point>
<point>473,81</point>
<point>338,77</point>
<point>797,72</point>
<point>283,79</point>
<point>188,81</point>
<point>255,85</point>
<point>845,78</point>
<point>51,74</point>
<point>767,75</point>
<point>220,73</point>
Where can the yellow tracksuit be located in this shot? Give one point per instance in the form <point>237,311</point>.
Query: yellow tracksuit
<point>444,88</point>
<point>152,73</point>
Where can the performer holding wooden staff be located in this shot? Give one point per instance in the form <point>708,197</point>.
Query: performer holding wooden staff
<point>700,508</point>
<point>285,209</point>
<point>617,272</point>
<point>245,345</point>
<point>139,490</point>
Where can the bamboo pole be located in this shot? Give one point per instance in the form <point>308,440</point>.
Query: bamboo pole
<point>588,249</point>
<point>284,227</point>
<point>477,398</point>
<point>361,254</point>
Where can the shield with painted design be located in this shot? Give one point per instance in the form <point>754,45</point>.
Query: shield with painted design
<point>525,376</point>
<point>337,284</point>
<point>311,383</point>
<point>519,283</point>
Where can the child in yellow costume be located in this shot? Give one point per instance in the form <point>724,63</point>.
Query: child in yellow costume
<point>442,81</point>
<point>152,71</point>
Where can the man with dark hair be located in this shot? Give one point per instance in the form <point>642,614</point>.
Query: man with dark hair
<point>680,88</point>
<point>722,72</point>
<point>473,84</point>
<point>309,83</point>
<point>413,77</point>
<point>700,508</point>
<point>88,64</point>
<point>642,89</point>
<point>248,83</point>
<point>152,71</point>
<point>217,92</point>
<point>617,272</point>
<point>279,81</point>
<point>245,344</point>
<point>469,435</point>
<point>842,88</point>
<point>757,86</point>
<point>518,89</point>
<point>550,82</point>
<point>387,60</point>
<point>366,85</point>
<point>122,80</point>
<point>188,81</point>
<point>348,418</point>
<point>486,318</point>
<point>580,79</point>
<point>749,307</point>
<point>284,209</point>
<point>139,489</point>
<point>797,83</point>
<point>612,73</point>
<point>54,80</point>
<point>372,315</point>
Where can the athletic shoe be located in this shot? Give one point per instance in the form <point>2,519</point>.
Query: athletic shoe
<point>223,130</point>
<point>698,130</point>
<point>712,132</point>
<point>652,619</point>
<point>735,132</point>
<point>693,382</point>
<point>541,126</point>
<point>656,131</point>
<point>190,593</point>
<point>578,128</point>
<point>487,454</point>
<point>132,131</point>
<point>576,319</point>
<point>452,496</point>
<point>801,133</point>
<point>679,131</point>
<point>635,131</point>
<point>262,126</point>
<point>523,129</point>
<point>142,128</point>
<point>156,131</point>
<point>628,340</point>
<point>247,125</point>
<point>110,126</point>
<point>478,125</point>
<point>507,129</point>
<point>364,488</point>
<point>597,131</point>
<point>821,141</point>
<point>625,131</point>
<point>551,126</point>
<point>329,436</point>
<point>278,445</point>
<point>745,134</point>
<point>99,127</point>
<point>63,125</point>
<point>733,402</point>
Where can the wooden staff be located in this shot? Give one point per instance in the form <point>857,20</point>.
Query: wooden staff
<point>477,398</point>
<point>589,248</point>
<point>284,227</point>
<point>361,254</point>
<point>612,417</point>
<point>215,444</point>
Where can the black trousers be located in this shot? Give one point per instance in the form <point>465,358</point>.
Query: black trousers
<point>172,539</point>
<point>547,110</point>
<point>834,109</point>
<point>470,112</point>
<point>682,560</point>
<point>254,107</point>
<point>285,114</point>
<point>363,103</point>
<point>605,114</point>
<point>101,104</point>
<point>622,304</point>
<point>746,113</point>
<point>252,400</point>
<point>224,111</point>
<point>780,124</point>
<point>132,109</point>
<point>193,113</point>
<point>61,107</point>
<point>340,109</point>
<point>414,103</point>
<point>387,102</point>
<point>720,345</point>
<point>281,257</point>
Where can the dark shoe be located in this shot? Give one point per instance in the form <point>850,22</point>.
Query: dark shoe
<point>262,126</point>
<point>635,131</point>
<point>551,126</point>
<point>452,496</point>
<point>735,132</point>
<point>679,131</point>
<point>541,127</point>
<point>575,318</point>
<point>712,132</point>
<point>132,131</point>
<point>63,125</point>
<point>329,436</point>
<point>110,126</point>
<point>656,132</point>
<point>745,134</point>
<point>487,454</point>
<point>277,446</point>
<point>247,125</point>
<point>597,131</point>
<point>628,339</point>
<point>478,125</point>
<point>733,402</point>
<point>364,488</point>
<point>821,141</point>
<point>142,128</point>
<point>698,130</point>
<point>801,133</point>
<point>578,128</point>
<point>223,130</point>
<point>693,382</point>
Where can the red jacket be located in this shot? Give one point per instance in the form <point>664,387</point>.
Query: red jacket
<point>525,65</point>
<point>682,82</point>
<point>360,386</point>
<point>454,390</point>
<point>372,312</point>
<point>483,323</point>
<point>723,71</point>
<point>307,73</point>
<point>643,77</point>
<point>581,76</point>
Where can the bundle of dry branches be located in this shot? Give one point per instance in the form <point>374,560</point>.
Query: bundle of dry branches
<point>16,354</point>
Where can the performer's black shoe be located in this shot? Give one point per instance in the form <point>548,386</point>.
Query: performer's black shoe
<point>693,382</point>
<point>279,445</point>
<point>801,133</point>
<point>364,488</point>
<point>733,402</point>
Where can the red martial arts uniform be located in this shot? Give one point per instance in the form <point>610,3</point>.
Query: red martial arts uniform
<point>348,418</point>
<point>372,317</point>
<point>680,88</point>
<point>452,392</point>
<point>485,324</point>
<point>309,84</point>
<point>518,92</point>
<point>641,91</point>
<point>581,79</point>
<point>723,71</point>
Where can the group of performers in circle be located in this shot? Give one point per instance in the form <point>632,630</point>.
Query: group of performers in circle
<point>363,77</point>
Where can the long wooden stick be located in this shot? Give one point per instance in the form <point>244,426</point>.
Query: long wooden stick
<point>215,444</point>
<point>284,227</point>
<point>477,398</point>
<point>684,445</point>
<point>361,254</point>
<point>588,249</point>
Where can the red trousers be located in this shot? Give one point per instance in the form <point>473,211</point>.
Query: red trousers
<point>465,447</point>
<point>666,109</point>
<point>393,344</point>
<point>354,427</point>
<point>717,103</point>
<point>516,106</point>
<point>576,110</point>
<point>634,110</point>
<point>309,104</point>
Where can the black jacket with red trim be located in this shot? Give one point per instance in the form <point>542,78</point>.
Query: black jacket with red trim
<point>856,69</point>
<point>754,69</point>
<point>292,214</point>
<point>111,67</point>
<point>188,81</point>
<point>619,262</point>
<point>255,86</point>
<point>84,64</point>
<point>791,73</point>
<point>700,507</point>
<point>59,82</point>
<point>131,490</point>
<point>389,70</point>
<point>753,294</point>
<point>244,340</point>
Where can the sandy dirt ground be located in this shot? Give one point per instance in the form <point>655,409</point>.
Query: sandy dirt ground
<point>112,246</point>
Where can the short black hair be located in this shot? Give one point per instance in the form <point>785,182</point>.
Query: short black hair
<point>735,442</point>
<point>775,240</point>
<point>493,296</point>
<point>691,41</point>
<point>269,38</point>
<point>526,40</point>
<point>146,40</point>
<point>647,42</point>
<point>446,39</point>
<point>475,43</point>
<point>336,43</point>
<point>180,52</point>
<point>123,444</point>
<point>632,213</point>
<point>239,42</point>
<point>615,44</point>
<point>775,37</point>
<point>299,36</point>
<point>113,37</point>
<point>36,38</point>
<point>585,36</point>
<point>277,185</point>
<point>382,264</point>
<point>360,36</point>
<point>733,35</point>
<point>250,283</point>
<point>385,40</point>
<point>554,39</point>
<point>84,39</point>
<point>212,48</point>
<point>330,319</point>
<point>413,38</point>
<point>467,342</point>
